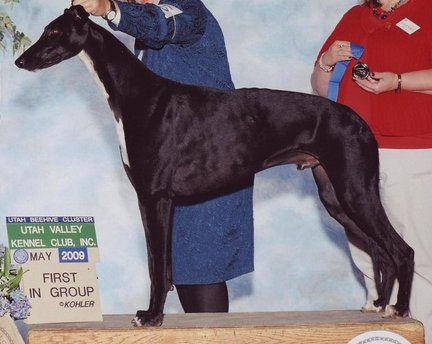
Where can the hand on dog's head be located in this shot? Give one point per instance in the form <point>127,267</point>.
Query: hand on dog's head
<point>78,13</point>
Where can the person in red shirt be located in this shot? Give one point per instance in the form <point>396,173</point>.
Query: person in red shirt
<point>395,100</point>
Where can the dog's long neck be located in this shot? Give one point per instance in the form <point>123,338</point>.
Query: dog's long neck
<point>122,78</point>
<point>116,70</point>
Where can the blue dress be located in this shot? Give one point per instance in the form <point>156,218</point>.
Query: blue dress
<point>182,41</point>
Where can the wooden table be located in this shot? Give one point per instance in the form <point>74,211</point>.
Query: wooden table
<point>329,327</point>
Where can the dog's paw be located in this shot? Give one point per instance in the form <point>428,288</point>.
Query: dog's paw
<point>391,312</point>
<point>369,307</point>
<point>147,319</point>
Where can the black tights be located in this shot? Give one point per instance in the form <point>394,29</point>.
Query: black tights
<point>203,298</point>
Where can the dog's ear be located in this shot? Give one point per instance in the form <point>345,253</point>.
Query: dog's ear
<point>78,13</point>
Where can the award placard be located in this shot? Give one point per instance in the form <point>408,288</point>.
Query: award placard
<point>62,293</point>
<point>58,254</point>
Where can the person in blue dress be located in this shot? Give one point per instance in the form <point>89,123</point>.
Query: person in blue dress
<point>212,240</point>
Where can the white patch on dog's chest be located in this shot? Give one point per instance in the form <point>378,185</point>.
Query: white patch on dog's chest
<point>119,123</point>
<point>89,64</point>
<point>122,140</point>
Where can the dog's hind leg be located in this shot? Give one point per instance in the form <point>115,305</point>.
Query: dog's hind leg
<point>380,229</point>
<point>156,216</point>
<point>359,197</point>
<point>383,266</point>
<point>405,263</point>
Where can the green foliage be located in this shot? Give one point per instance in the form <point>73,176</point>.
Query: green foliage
<point>9,35</point>
<point>9,280</point>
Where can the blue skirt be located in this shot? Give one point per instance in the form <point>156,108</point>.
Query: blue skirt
<point>213,240</point>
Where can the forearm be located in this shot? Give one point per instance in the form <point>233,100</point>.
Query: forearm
<point>380,82</point>
<point>338,51</point>
<point>319,81</point>
<point>155,27</point>
<point>153,24</point>
<point>146,22</point>
<point>418,81</point>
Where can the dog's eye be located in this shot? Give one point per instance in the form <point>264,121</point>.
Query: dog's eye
<point>55,32</point>
<point>52,32</point>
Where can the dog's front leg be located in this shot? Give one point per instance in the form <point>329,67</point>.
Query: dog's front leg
<point>156,216</point>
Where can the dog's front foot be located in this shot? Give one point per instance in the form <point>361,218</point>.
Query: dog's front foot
<point>370,307</point>
<point>147,319</point>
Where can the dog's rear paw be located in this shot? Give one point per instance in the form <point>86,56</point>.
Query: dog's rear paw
<point>369,307</point>
<point>391,312</point>
<point>147,319</point>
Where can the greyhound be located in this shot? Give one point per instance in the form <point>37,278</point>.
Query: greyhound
<point>180,141</point>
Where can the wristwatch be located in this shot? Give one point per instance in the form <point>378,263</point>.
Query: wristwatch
<point>111,13</point>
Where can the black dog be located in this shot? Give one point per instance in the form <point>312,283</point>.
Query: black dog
<point>180,141</point>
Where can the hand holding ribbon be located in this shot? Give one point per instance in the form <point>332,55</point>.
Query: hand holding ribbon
<point>356,51</point>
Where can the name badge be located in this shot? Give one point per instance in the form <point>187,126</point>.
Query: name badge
<point>408,26</point>
<point>169,10</point>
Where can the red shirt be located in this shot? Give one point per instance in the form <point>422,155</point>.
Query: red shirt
<point>398,120</point>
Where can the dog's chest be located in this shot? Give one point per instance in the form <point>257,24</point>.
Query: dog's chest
<point>118,121</point>
<point>122,141</point>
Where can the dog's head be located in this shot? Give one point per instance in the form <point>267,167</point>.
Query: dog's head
<point>62,39</point>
